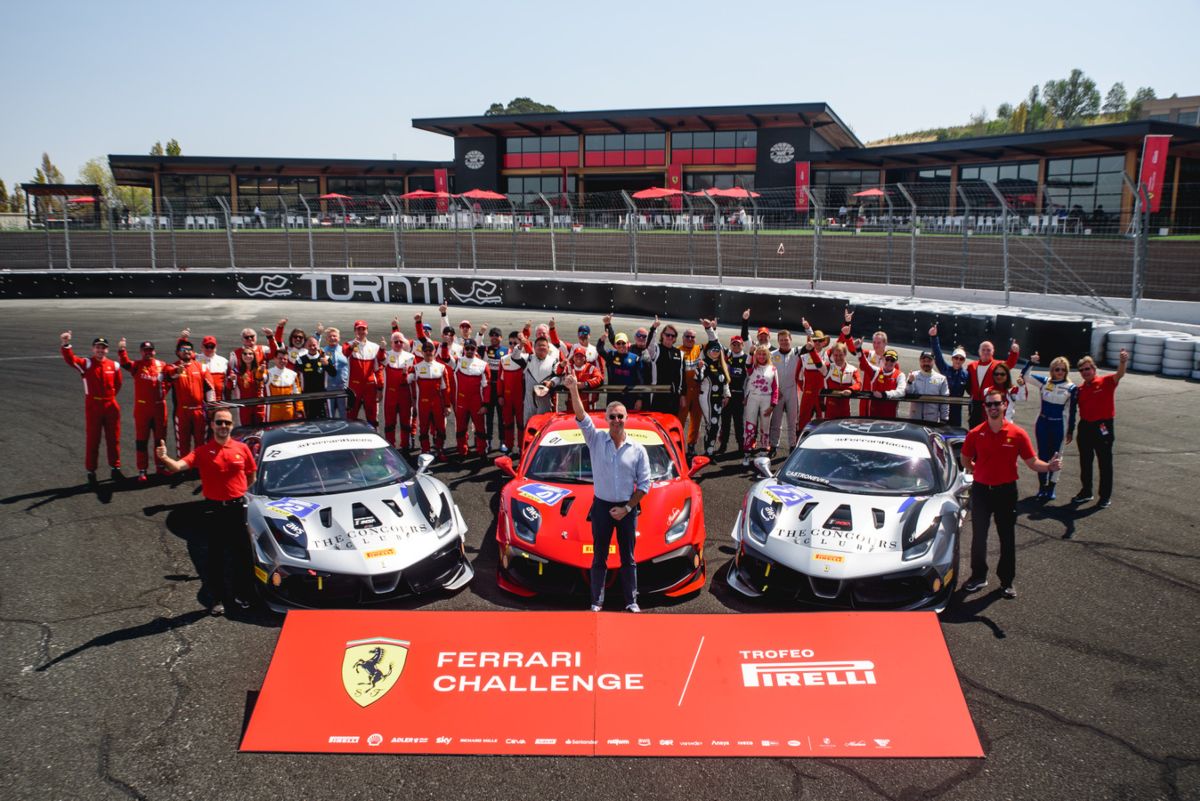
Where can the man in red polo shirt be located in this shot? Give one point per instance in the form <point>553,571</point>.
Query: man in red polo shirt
<point>991,452</point>
<point>1096,433</point>
<point>227,470</point>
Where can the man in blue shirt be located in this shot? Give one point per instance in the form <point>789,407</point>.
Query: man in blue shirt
<point>620,479</point>
<point>957,379</point>
<point>341,366</point>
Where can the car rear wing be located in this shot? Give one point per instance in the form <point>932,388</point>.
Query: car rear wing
<point>303,397</point>
<point>618,389</point>
<point>863,395</point>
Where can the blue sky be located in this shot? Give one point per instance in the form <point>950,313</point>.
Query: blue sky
<point>344,79</point>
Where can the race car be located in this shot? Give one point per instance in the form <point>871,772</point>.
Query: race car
<point>864,514</point>
<point>336,517</point>
<point>544,530</point>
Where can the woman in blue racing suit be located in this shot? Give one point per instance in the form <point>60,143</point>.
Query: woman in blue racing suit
<point>1056,417</point>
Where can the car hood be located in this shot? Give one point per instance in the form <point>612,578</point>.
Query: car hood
<point>364,532</point>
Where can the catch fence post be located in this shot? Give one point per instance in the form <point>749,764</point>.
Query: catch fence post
<point>308,226</point>
<point>1049,254</point>
<point>112,239</point>
<point>691,244</point>
<point>550,217</point>
<point>285,216</point>
<point>631,216</point>
<point>1003,239</point>
<point>66,216</point>
<point>345,235</point>
<point>225,212</point>
<point>717,231</point>
<point>471,220</point>
<point>912,241</point>
<point>574,223</point>
<point>754,226</point>
<point>395,219</point>
<point>171,232</point>
<point>966,236</point>
<point>818,216</point>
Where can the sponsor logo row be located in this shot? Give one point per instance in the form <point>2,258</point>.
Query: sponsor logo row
<point>376,739</point>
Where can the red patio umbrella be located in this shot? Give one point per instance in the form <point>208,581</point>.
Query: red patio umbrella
<point>655,193</point>
<point>870,193</point>
<point>424,194</point>
<point>334,196</point>
<point>481,194</point>
<point>82,199</point>
<point>736,192</point>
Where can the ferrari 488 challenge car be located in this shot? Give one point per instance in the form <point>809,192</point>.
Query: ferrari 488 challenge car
<point>544,528</point>
<point>337,517</point>
<point>864,514</point>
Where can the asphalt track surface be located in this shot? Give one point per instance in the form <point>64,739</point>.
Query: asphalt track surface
<point>114,683</point>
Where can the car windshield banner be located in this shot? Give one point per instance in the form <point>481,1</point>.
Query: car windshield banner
<point>864,684</point>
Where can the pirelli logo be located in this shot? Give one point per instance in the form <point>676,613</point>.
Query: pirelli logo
<point>808,674</point>
<point>829,557</point>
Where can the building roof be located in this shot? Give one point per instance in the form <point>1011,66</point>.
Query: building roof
<point>58,190</point>
<point>139,170</point>
<point>818,116</point>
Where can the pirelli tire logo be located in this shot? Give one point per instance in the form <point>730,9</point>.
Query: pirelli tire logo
<point>803,673</point>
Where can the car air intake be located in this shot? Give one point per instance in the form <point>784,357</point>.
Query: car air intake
<point>878,513</point>
<point>566,505</point>
<point>326,517</point>
<point>807,510</point>
<point>395,507</point>
<point>841,519</point>
<point>363,517</point>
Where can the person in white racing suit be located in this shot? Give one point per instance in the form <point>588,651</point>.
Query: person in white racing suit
<point>762,398</point>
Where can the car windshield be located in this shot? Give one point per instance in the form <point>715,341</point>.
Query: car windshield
<point>861,464</point>
<point>333,471</point>
<point>571,462</point>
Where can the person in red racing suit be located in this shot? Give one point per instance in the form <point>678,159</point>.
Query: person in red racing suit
<point>887,383</point>
<point>429,376</point>
<point>586,373</point>
<point>192,388</point>
<point>470,391</point>
<point>101,383</point>
<point>397,363</point>
<point>512,395</point>
<point>149,403</point>
<point>364,383</point>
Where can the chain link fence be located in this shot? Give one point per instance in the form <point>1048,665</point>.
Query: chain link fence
<point>974,236</point>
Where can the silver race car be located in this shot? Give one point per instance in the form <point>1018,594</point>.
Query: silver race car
<point>337,517</point>
<point>864,514</point>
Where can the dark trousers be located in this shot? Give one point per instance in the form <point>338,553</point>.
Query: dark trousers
<point>1096,438</point>
<point>999,502</point>
<point>732,420</point>
<point>665,402</point>
<point>227,542</point>
<point>602,532</point>
<point>975,416</point>
<point>956,411</point>
<point>491,410</point>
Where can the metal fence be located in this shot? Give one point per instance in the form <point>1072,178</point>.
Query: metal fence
<point>980,236</point>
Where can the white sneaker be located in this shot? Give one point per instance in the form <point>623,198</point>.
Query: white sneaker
<point>746,460</point>
<point>596,607</point>
<point>633,607</point>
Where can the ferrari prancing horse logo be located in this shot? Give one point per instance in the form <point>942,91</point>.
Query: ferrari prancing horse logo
<point>372,667</point>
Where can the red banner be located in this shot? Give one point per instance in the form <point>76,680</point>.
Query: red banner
<point>802,181</point>
<point>675,181</point>
<point>563,683</point>
<point>1154,168</point>
<point>441,183</point>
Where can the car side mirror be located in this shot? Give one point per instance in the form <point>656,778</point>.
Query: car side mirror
<point>763,465</point>
<point>698,463</point>
<point>423,462</point>
<point>505,464</point>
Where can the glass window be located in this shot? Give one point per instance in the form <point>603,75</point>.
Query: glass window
<point>1029,172</point>
<point>551,184</point>
<point>969,173</point>
<point>726,139</point>
<point>681,140</point>
<point>747,138</point>
<point>1085,166</point>
<point>872,176</point>
<point>515,186</point>
<point>594,142</point>
<point>1058,167</point>
<point>723,181</point>
<point>1191,117</point>
<point>635,141</point>
<point>1111,164</point>
<point>656,141</point>
<point>568,144</point>
<point>614,142</point>
<point>702,140</point>
<point>512,145</point>
<point>1006,172</point>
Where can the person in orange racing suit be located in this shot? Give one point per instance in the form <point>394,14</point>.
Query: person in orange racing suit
<point>149,403</point>
<point>192,388</point>
<point>101,382</point>
<point>282,380</point>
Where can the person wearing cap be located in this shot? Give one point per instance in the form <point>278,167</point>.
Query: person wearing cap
<point>512,395</point>
<point>431,395</point>
<point>1097,409</point>
<point>622,368</point>
<point>786,360</point>
<point>314,369</point>
<point>714,392</point>
<point>492,353</point>
<point>227,470</point>
<point>282,380</point>
<point>990,454</point>
<point>886,383</point>
<point>540,369</point>
<point>397,360</point>
<point>294,345</point>
<point>737,361</point>
<point>364,379</point>
<point>927,382</point>
<point>470,391</point>
<point>980,371</point>
<point>584,340</point>
<point>1056,415</point>
<point>761,337</point>
<point>192,388</point>
<point>957,381</point>
<point>149,402</point>
<point>662,364</point>
<point>218,365</point>
<point>811,371</point>
<point>586,374</point>
<point>841,378</point>
<point>102,414</point>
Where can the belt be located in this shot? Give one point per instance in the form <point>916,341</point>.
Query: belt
<point>102,397</point>
<point>191,408</point>
<point>234,502</point>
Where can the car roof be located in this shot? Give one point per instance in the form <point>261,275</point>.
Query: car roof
<point>874,427</point>
<point>276,433</point>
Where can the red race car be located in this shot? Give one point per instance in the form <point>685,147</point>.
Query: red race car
<point>544,529</point>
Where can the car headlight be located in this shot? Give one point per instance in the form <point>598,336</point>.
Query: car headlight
<point>916,546</point>
<point>679,523</point>
<point>289,535</point>
<point>526,520</point>
<point>760,519</point>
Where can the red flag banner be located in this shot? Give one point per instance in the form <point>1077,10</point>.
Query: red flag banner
<point>1154,168</point>
<point>867,684</point>
<point>675,181</point>
<point>802,182</point>
<point>441,183</point>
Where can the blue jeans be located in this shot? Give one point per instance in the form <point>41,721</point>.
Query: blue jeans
<point>1049,441</point>
<point>602,532</point>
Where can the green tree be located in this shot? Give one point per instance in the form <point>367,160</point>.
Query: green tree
<point>157,150</point>
<point>1116,101</point>
<point>16,201</point>
<point>134,198</point>
<point>51,174</point>
<point>1138,100</point>
<point>1004,111</point>
<point>1072,98</point>
<point>173,148</point>
<point>519,105</point>
<point>3,196</point>
<point>1020,118</point>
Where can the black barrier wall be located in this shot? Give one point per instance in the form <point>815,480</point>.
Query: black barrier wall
<point>774,309</point>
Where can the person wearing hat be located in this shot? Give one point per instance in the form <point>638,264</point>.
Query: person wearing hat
<point>958,382</point>
<point>639,342</point>
<point>192,388</point>
<point>622,368</point>
<point>737,361</point>
<point>492,353</point>
<point>149,402</point>
<point>584,340</point>
<point>714,392</point>
<point>811,370</point>
<point>101,382</point>
<point>218,365</point>
<point>397,360</point>
<point>364,381</point>
<point>429,377</point>
<point>588,375</point>
<point>662,364</point>
<point>470,392</point>
<point>927,382</point>
<point>512,395</point>
<point>886,383</point>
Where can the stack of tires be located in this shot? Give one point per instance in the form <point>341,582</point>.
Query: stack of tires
<point>1180,357</point>
<point>1148,351</point>
<point>1166,352</point>
<point>1115,342</point>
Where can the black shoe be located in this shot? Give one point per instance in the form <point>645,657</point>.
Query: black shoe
<point>117,475</point>
<point>217,609</point>
<point>771,453</point>
<point>1083,497</point>
<point>91,478</point>
<point>1104,503</point>
<point>241,604</point>
<point>1008,591</point>
<point>975,585</point>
